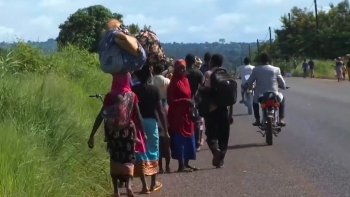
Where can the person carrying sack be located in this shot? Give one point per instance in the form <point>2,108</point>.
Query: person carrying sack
<point>119,51</point>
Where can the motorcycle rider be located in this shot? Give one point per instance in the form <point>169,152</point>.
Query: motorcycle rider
<point>244,70</point>
<point>267,78</point>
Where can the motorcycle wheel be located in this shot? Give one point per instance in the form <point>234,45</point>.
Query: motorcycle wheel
<point>268,130</point>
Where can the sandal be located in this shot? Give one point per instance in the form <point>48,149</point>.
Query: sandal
<point>145,191</point>
<point>157,187</point>
<point>185,170</point>
<point>192,168</point>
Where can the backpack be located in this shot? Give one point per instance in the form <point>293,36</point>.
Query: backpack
<point>118,116</point>
<point>154,51</point>
<point>223,88</point>
<point>120,57</point>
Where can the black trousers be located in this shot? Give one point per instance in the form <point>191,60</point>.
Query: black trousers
<point>256,108</point>
<point>197,131</point>
<point>217,130</point>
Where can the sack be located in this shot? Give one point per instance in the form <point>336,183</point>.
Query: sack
<point>154,51</point>
<point>224,88</point>
<point>118,116</point>
<point>202,100</point>
<point>120,52</point>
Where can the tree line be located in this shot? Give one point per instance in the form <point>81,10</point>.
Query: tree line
<point>301,35</point>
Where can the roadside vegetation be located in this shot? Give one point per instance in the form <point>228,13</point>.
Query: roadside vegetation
<point>45,119</point>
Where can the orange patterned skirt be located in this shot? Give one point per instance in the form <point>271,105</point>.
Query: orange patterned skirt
<point>147,168</point>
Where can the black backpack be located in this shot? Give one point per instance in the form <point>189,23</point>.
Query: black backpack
<point>224,88</point>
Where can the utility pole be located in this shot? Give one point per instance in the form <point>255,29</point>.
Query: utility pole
<point>249,51</point>
<point>317,28</point>
<point>270,40</point>
<point>289,19</point>
<point>257,46</point>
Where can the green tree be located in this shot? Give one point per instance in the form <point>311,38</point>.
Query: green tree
<point>84,27</point>
<point>133,28</point>
<point>300,37</point>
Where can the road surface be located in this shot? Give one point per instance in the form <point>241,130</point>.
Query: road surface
<point>310,157</point>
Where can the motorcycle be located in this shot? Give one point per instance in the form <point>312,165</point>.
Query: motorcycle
<point>249,94</point>
<point>269,127</point>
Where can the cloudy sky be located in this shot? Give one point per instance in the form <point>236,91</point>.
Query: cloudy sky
<point>172,20</point>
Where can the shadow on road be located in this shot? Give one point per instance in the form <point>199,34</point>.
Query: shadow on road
<point>240,115</point>
<point>240,146</point>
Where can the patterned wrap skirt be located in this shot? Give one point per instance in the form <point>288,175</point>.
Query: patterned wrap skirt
<point>147,163</point>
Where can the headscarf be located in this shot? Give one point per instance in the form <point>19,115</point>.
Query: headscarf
<point>121,83</point>
<point>180,65</point>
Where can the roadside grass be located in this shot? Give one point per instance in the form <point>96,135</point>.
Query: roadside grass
<point>45,119</point>
<point>323,69</point>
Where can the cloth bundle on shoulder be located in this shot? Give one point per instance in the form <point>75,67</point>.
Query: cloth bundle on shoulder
<point>151,43</point>
<point>119,51</point>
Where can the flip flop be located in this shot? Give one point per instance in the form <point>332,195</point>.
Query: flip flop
<point>192,168</point>
<point>145,191</point>
<point>185,170</point>
<point>157,187</point>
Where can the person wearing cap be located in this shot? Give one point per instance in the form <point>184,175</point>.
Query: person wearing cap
<point>181,126</point>
<point>196,79</point>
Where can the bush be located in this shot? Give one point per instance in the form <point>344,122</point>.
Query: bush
<point>45,119</point>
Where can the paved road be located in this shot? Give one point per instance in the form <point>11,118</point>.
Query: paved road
<point>310,158</point>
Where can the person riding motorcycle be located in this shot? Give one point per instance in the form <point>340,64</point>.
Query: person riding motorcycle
<point>244,70</point>
<point>267,78</point>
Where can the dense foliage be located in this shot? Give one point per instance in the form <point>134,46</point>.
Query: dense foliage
<point>300,37</point>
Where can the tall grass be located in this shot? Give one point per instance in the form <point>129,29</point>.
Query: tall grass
<point>45,119</point>
<point>323,68</point>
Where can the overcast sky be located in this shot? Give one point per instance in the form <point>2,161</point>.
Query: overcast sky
<point>173,20</point>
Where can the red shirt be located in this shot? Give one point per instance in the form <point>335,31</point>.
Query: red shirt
<point>179,109</point>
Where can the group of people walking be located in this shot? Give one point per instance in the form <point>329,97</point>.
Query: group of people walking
<point>161,123</point>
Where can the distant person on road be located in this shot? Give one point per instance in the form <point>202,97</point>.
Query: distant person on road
<point>206,65</point>
<point>339,68</point>
<point>146,164</point>
<point>311,64</point>
<point>162,84</point>
<point>305,68</point>
<point>344,71</point>
<point>348,68</point>
<point>196,79</point>
<point>268,79</point>
<point>218,120</point>
<point>244,70</point>
<point>183,146</point>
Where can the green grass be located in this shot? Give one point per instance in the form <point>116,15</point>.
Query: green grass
<point>45,119</point>
<point>323,69</point>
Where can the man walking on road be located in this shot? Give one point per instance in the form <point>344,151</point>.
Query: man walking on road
<point>244,70</point>
<point>305,67</point>
<point>312,68</point>
<point>206,65</point>
<point>218,120</point>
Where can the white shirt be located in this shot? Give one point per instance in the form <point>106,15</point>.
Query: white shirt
<point>245,70</point>
<point>162,84</point>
